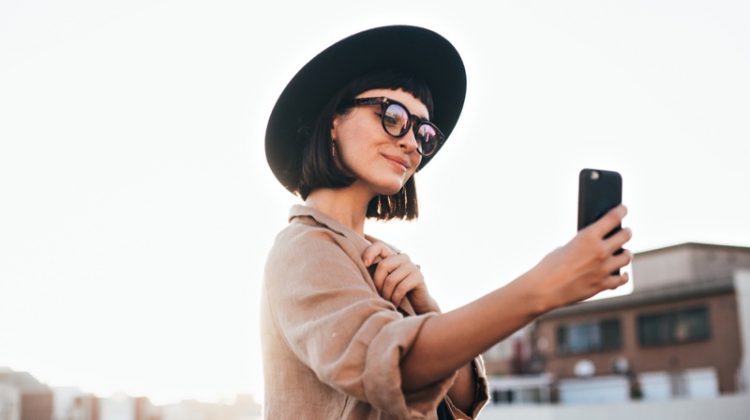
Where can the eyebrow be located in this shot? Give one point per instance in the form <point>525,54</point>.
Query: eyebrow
<point>420,116</point>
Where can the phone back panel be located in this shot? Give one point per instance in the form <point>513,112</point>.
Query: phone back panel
<point>598,192</point>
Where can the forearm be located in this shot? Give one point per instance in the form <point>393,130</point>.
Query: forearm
<point>449,341</point>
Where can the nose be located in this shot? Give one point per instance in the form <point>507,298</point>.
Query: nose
<point>408,143</point>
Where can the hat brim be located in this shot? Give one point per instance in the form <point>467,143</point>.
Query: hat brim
<point>412,50</point>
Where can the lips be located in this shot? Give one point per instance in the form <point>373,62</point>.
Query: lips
<point>398,160</point>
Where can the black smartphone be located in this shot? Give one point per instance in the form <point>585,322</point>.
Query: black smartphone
<point>599,191</point>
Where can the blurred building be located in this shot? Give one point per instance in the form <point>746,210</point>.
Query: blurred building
<point>10,402</point>
<point>23,397</point>
<point>244,407</point>
<point>117,407</point>
<point>63,402</point>
<point>677,335</point>
<point>85,407</point>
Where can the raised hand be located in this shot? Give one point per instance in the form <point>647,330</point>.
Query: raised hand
<point>584,266</point>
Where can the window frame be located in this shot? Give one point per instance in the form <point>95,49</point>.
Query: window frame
<point>563,348</point>
<point>672,320</point>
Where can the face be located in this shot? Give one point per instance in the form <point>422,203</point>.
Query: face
<point>381,163</point>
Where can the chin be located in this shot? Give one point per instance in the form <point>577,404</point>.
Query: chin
<point>389,189</point>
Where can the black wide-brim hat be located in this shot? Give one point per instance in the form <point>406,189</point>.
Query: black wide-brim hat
<point>409,49</point>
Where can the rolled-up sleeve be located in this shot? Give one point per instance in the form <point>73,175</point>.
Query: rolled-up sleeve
<point>481,393</point>
<point>334,321</point>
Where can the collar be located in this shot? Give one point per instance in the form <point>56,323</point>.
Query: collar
<point>301,210</point>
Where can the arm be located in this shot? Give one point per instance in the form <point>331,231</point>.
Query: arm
<point>569,274</point>
<point>477,326</point>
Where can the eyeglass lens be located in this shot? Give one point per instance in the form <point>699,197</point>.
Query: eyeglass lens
<point>396,121</point>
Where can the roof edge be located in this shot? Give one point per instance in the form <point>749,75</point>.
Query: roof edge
<point>703,245</point>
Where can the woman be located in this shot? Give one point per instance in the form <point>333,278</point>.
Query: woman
<point>349,329</point>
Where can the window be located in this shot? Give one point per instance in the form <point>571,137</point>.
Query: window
<point>589,337</point>
<point>674,327</point>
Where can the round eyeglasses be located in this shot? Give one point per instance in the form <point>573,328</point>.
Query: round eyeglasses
<point>397,120</point>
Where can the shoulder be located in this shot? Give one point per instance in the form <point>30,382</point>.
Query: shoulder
<point>304,238</point>
<point>305,252</point>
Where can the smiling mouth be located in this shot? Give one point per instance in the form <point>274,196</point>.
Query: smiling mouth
<point>402,165</point>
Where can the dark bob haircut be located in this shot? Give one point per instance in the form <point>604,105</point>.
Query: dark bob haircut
<point>319,170</point>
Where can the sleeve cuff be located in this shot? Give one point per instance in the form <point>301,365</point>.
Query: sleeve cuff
<point>382,375</point>
<point>481,393</point>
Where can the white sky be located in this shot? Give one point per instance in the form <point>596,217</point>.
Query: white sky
<point>136,207</point>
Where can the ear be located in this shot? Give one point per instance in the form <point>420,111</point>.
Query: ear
<point>334,126</point>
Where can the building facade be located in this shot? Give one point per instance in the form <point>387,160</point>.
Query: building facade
<point>23,397</point>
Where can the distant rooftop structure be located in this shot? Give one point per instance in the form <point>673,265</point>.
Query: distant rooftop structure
<point>688,263</point>
<point>24,381</point>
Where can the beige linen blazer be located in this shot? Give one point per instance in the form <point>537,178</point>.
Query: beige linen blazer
<point>331,345</point>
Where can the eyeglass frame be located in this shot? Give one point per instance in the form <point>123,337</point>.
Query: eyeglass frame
<point>384,103</point>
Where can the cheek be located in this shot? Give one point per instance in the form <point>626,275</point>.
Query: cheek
<point>355,142</point>
<point>352,155</point>
<point>347,126</point>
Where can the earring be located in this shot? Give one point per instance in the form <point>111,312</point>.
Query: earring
<point>333,148</point>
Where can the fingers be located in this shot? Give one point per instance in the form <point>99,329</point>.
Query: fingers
<point>393,268</point>
<point>376,252</point>
<point>616,241</point>
<point>616,262</point>
<point>609,221</point>
<point>385,266</point>
<point>396,275</point>
<point>408,284</point>
<point>613,282</point>
<point>594,236</point>
<point>394,280</point>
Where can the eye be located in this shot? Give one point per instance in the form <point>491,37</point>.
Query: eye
<point>390,119</point>
<point>428,138</point>
<point>396,117</point>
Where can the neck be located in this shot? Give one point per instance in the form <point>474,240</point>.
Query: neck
<point>347,206</point>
